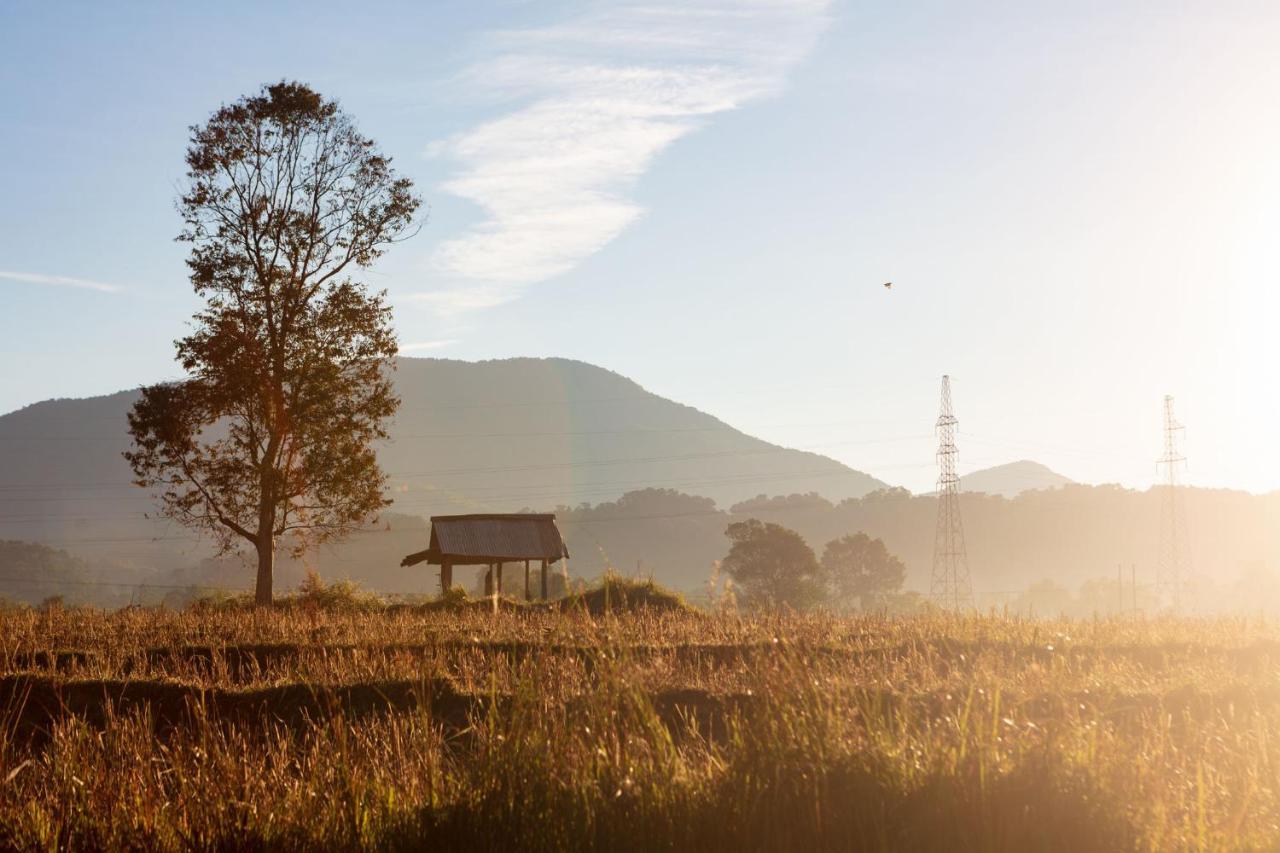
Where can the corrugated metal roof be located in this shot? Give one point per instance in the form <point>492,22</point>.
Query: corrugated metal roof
<point>490,538</point>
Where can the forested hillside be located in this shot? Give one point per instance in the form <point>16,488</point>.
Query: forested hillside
<point>1069,535</point>
<point>470,436</point>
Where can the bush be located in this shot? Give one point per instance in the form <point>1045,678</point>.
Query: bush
<point>314,593</point>
<point>616,594</point>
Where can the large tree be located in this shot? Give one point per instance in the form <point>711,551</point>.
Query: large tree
<point>860,568</point>
<point>772,565</point>
<point>270,434</point>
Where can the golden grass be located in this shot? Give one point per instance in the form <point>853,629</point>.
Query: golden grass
<point>665,728</point>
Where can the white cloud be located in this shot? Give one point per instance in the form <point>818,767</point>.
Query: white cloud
<point>459,300</point>
<point>600,97</point>
<point>422,346</point>
<point>59,281</point>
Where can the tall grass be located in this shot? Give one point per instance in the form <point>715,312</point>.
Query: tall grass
<point>359,728</point>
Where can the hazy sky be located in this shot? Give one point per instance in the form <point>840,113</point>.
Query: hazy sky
<point>1078,203</point>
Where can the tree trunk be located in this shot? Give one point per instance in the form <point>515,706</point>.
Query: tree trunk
<point>266,538</point>
<point>266,567</point>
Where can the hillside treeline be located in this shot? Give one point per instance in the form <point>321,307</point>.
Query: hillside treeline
<point>1068,537</point>
<point>1067,543</point>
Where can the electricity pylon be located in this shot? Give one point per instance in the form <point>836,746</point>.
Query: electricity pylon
<point>1171,567</point>
<point>950,587</point>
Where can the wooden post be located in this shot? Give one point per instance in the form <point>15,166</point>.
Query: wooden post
<point>500,578</point>
<point>446,577</point>
<point>488,580</point>
<point>526,580</point>
<point>544,578</point>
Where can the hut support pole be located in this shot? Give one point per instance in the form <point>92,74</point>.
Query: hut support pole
<point>500,578</point>
<point>526,580</point>
<point>544,579</point>
<point>446,578</point>
<point>488,580</point>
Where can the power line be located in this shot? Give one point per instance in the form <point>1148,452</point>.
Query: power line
<point>124,438</point>
<point>505,469</point>
<point>1023,446</point>
<point>562,402</point>
<point>434,407</point>
<point>126,584</point>
<point>370,531</point>
<point>586,463</point>
<point>530,493</point>
<point>425,500</point>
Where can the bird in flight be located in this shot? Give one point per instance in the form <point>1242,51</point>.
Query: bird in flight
<point>888,285</point>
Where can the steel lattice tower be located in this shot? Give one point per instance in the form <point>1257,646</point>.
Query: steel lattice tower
<point>950,587</point>
<point>1171,568</point>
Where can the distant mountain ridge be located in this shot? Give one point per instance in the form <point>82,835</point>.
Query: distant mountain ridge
<point>1013,479</point>
<point>535,432</point>
<point>552,434</point>
<point>496,435</point>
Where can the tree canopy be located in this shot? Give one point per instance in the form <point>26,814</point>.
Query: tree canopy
<point>772,565</point>
<point>287,364</point>
<point>859,568</point>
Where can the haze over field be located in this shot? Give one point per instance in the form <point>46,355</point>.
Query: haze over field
<point>643,485</point>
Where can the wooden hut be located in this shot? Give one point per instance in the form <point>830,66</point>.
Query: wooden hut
<point>492,540</point>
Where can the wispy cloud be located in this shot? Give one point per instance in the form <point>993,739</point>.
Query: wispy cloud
<point>423,346</point>
<point>458,300</point>
<point>59,281</point>
<point>599,97</point>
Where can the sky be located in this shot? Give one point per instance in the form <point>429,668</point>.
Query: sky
<point>1078,205</point>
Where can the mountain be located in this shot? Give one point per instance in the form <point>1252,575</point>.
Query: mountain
<point>470,436</point>
<point>529,432</point>
<point>1012,479</point>
<point>554,434</point>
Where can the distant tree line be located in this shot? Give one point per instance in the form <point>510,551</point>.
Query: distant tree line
<point>774,567</point>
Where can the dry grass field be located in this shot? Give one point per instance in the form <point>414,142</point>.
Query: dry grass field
<point>539,729</point>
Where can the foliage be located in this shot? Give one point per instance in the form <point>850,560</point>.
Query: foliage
<point>773,566</point>
<point>271,432</point>
<point>455,596</point>
<point>36,572</point>
<point>1011,542</point>
<point>314,592</point>
<point>810,501</point>
<point>616,594</point>
<point>1044,598</point>
<point>641,501</point>
<point>908,603</point>
<point>857,567</point>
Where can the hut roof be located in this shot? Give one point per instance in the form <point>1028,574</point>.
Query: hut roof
<point>491,538</point>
